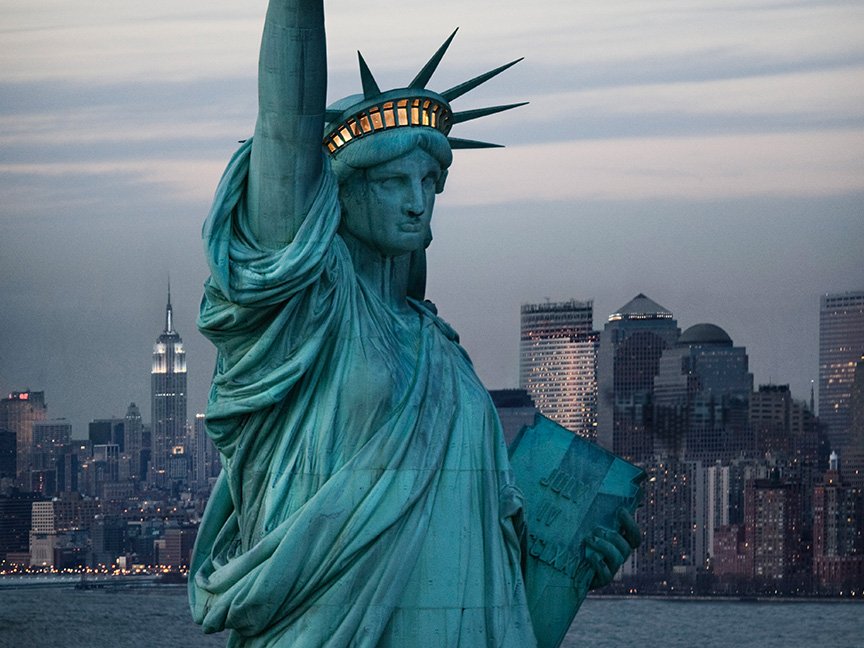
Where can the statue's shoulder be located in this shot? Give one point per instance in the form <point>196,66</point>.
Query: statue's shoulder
<point>429,311</point>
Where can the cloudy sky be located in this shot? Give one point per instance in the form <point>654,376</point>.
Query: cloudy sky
<point>707,153</point>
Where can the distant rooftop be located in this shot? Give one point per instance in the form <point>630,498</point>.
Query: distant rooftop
<point>641,307</point>
<point>705,334</point>
<point>511,398</point>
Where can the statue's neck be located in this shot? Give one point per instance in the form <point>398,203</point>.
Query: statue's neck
<point>386,276</point>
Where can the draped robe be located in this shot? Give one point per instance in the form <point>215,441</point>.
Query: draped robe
<point>366,497</point>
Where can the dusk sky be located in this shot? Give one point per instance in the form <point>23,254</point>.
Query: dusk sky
<point>709,154</point>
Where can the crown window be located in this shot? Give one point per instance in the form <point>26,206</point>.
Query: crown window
<point>375,116</point>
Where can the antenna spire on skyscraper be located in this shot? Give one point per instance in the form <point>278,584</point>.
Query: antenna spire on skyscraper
<point>169,324</point>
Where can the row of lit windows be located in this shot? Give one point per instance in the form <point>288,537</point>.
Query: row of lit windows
<point>390,114</point>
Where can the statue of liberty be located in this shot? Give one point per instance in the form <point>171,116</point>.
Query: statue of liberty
<point>366,497</point>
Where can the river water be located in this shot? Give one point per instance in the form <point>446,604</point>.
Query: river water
<point>158,617</point>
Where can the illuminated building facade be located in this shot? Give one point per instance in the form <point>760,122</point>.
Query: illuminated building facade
<point>18,413</point>
<point>168,398</point>
<point>773,521</point>
<point>841,346</point>
<point>558,362</point>
<point>838,531</point>
<point>631,344</point>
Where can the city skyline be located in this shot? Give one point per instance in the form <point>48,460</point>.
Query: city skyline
<point>705,154</point>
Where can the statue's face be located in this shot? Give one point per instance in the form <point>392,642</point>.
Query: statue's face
<point>389,207</point>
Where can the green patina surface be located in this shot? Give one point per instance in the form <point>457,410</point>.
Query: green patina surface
<point>366,497</point>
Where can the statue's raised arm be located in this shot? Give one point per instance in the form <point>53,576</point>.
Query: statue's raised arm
<point>286,152</point>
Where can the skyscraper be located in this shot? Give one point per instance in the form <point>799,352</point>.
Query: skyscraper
<point>558,362</point>
<point>701,394</point>
<point>18,413</point>
<point>168,397</point>
<point>841,345</point>
<point>631,344</point>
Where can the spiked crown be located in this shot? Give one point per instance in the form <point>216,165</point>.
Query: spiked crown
<point>411,107</point>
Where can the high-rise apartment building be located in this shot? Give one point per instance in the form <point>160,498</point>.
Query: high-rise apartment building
<point>773,521</point>
<point>838,531</point>
<point>631,344</point>
<point>168,397</point>
<point>18,413</point>
<point>558,362</point>
<point>841,345</point>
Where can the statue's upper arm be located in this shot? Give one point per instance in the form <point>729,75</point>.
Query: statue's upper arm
<point>286,161</point>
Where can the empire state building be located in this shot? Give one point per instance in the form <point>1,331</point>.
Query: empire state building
<point>168,398</point>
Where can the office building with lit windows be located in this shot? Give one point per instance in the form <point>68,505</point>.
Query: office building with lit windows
<point>841,346</point>
<point>558,362</point>
<point>168,398</point>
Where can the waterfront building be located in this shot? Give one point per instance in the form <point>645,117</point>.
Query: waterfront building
<point>18,412</point>
<point>774,530</point>
<point>558,362</point>
<point>631,345</point>
<point>177,549</point>
<point>16,511</point>
<point>838,531</point>
<point>729,559</point>
<point>841,346</point>
<point>43,535</point>
<point>108,533</point>
<point>701,394</point>
<point>168,399</point>
<point>673,520</point>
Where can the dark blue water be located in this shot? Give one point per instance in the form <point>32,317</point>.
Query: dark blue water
<point>158,617</point>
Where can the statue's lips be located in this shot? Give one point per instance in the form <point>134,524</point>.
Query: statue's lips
<point>411,227</point>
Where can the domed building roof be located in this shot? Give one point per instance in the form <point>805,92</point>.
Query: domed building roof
<point>705,334</point>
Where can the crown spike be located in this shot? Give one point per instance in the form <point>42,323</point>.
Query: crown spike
<point>370,86</point>
<point>468,115</point>
<point>459,143</point>
<point>467,86</point>
<point>428,70</point>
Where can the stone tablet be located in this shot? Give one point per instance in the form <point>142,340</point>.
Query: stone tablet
<point>571,486</point>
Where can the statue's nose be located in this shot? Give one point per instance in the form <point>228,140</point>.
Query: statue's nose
<point>415,203</point>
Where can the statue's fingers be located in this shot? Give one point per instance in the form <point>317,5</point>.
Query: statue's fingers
<point>629,529</point>
<point>602,573</point>
<point>620,542</point>
<point>610,554</point>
